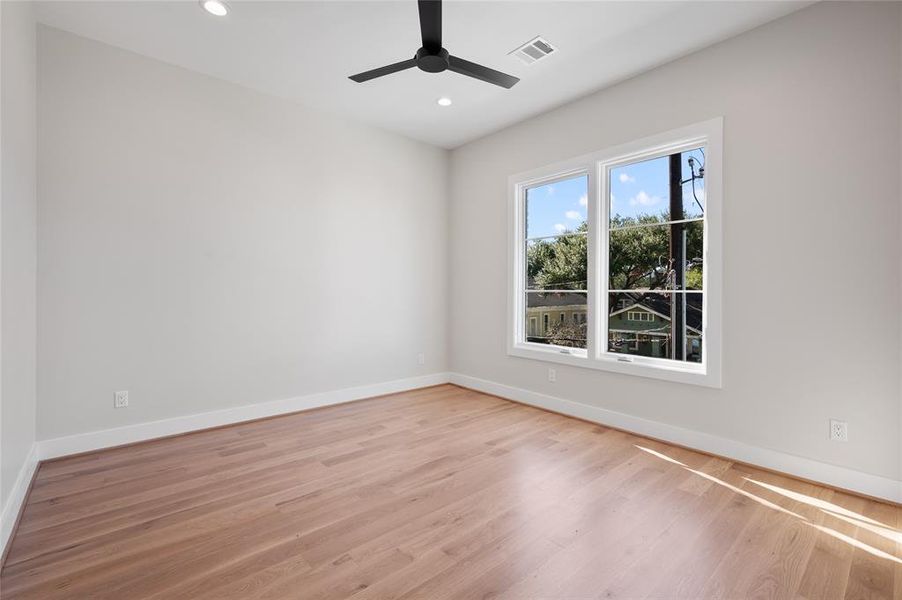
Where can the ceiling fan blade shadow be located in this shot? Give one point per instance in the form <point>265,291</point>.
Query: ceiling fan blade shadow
<point>386,70</point>
<point>431,24</point>
<point>471,69</point>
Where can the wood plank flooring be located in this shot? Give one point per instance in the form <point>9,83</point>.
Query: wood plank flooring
<point>439,493</point>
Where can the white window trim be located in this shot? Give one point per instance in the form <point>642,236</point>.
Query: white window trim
<point>595,166</point>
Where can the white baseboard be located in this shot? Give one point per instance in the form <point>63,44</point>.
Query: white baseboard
<point>806,468</point>
<point>96,440</point>
<point>17,497</point>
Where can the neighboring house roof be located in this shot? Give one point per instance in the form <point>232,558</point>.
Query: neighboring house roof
<point>652,302</point>
<point>635,306</point>
<point>656,304</point>
<point>554,299</point>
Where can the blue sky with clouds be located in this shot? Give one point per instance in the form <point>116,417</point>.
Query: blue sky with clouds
<point>637,189</point>
<point>556,207</point>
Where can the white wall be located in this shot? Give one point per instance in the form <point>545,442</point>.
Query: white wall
<point>811,107</point>
<point>17,252</point>
<point>899,438</point>
<point>205,246</point>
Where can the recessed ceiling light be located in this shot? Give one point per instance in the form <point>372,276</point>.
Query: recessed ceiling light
<point>215,7</point>
<point>444,101</point>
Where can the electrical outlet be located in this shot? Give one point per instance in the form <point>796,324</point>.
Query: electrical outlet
<point>839,431</point>
<point>421,359</point>
<point>120,399</point>
<point>552,375</point>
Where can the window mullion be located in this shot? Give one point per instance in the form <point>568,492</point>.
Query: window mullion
<point>591,245</point>
<point>600,233</point>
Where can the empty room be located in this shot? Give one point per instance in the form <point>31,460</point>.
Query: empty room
<point>459,299</point>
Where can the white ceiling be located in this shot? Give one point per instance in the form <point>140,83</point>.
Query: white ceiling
<point>305,51</point>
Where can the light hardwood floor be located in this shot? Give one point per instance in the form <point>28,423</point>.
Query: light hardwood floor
<point>439,493</point>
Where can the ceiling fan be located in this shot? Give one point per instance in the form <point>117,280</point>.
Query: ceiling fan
<point>432,58</point>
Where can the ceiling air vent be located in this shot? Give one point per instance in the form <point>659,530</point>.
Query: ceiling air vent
<point>533,50</point>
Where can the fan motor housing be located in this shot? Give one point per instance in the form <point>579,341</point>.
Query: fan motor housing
<point>431,61</point>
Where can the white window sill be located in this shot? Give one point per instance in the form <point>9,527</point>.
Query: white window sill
<point>692,374</point>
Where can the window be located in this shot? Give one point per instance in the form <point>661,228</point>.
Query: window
<point>555,259</point>
<point>625,245</point>
<point>635,315</point>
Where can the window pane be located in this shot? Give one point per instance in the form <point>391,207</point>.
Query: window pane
<point>642,257</point>
<point>557,263</point>
<point>640,192</point>
<point>693,327</point>
<point>694,239</point>
<point>694,183</point>
<point>641,324</point>
<point>556,208</point>
<point>556,318</point>
<point>639,258</point>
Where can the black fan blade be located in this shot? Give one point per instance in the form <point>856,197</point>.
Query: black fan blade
<point>431,24</point>
<point>470,69</point>
<point>386,70</point>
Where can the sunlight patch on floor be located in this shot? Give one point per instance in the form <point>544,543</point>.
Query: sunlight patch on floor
<point>890,534</point>
<point>817,503</point>
<point>826,507</point>
<point>661,456</point>
<point>853,542</point>
<point>729,486</point>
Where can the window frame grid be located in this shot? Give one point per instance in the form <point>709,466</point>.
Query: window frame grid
<point>517,343</point>
<point>596,166</point>
<point>604,229</point>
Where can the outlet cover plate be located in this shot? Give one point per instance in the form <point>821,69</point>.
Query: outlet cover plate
<point>120,399</point>
<point>839,431</point>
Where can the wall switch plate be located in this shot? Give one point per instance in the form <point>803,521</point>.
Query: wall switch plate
<point>839,431</point>
<point>421,359</point>
<point>120,399</point>
<point>552,375</point>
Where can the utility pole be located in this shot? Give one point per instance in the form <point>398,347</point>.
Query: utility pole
<point>678,260</point>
